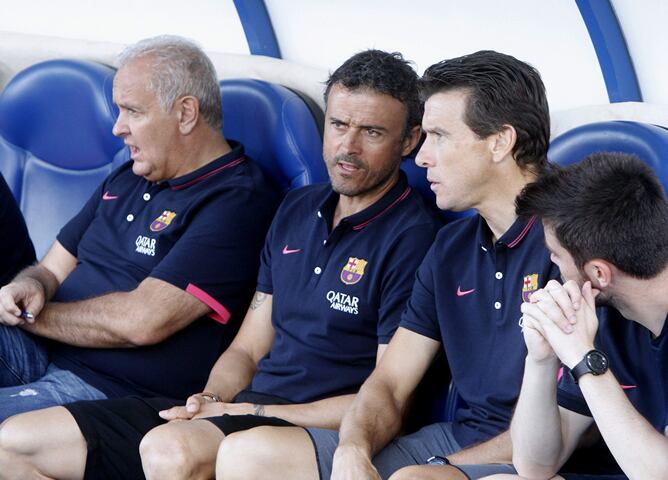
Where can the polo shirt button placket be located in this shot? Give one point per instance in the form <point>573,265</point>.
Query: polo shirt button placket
<point>317,270</point>
<point>147,196</point>
<point>130,217</point>
<point>497,305</point>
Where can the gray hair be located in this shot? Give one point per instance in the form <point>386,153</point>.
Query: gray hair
<point>179,67</point>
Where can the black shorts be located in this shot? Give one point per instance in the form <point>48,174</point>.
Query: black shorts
<point>113,429</point>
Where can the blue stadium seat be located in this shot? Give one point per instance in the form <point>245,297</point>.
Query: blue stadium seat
<point>278,129</point>
<point>56,143</point>
<point>649,142</point>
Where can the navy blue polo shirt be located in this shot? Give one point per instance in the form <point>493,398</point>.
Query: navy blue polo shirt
<point>202,232</point>
<point>639,363</point>
<point>15,245</point>
<point>467,295</point>
<point>337,294</point>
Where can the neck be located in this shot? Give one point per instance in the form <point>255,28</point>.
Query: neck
<point>643,301</point>
<point>350,205</point>
<point>200,148</point>
<point>498,206</point>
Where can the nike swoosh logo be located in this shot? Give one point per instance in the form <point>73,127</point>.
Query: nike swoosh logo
<point>287,251</point>
<point>461,293</point>
<point>627,387</point>
<point>106,196</point>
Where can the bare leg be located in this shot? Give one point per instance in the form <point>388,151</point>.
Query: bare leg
<point>181,450</point>
<point>42,444</point>
<point>428,472</point>
<point>266,453</point>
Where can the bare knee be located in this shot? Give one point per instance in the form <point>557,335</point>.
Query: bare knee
<point>428,472</point>
<point>240,458</point>
<point>166,453</point>
<point>18,435</point>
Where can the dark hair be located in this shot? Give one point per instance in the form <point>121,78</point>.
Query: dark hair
<point>609,206</point>
<point>382,72</point>
<point>502,90</point>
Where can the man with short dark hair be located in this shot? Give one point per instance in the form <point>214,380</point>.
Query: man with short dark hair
<point>335,275</point>
<point>134,294</point>
<point>606,224</point>
<point>487,128</point>
<point>15,244</point>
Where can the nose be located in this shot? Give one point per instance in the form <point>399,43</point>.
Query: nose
<point>120,128</point>
<point>351,141</point>
<point>424,158</point>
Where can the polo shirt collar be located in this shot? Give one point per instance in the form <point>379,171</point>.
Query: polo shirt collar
<point>513,236</point>
<point>359,220</point>
<point>229,160</point>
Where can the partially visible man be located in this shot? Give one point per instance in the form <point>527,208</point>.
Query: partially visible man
<point>17,251</point>
<point>336,272</point>
<point>487,129</point>
<point>606,224</point>
<point>127,298</point>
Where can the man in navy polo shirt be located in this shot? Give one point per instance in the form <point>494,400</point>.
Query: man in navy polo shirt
<point>15,244</point>
<point>133,296</point>
<point>606,224</point>
<point>487,130</point>
<point>336,272</point>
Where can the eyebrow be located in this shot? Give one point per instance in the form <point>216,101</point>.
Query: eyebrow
<point>434,130</point>
<point>361,127</point>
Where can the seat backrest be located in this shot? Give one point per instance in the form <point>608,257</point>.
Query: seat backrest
<point>648,142</point>
<point>277,128</point>
<point>55,126</point>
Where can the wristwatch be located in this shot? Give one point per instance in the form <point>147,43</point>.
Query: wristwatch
<point>594,362</point>
<point>438,460</point>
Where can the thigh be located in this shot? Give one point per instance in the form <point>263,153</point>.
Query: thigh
<point>416,448</point>
<point>23,357</point>
<point>56,387</point>
<point>113,430</point>
<point>474,472</point>
<point>48,440</point>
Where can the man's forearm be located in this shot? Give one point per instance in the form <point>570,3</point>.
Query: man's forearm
<point>498,449</point>
<point>43,276</point>
<point>372,420</point>
<point>102,322</point>
<point>536,425</point>
<point>232,372</point>
<point>326,413</point>
<point>638,448</point>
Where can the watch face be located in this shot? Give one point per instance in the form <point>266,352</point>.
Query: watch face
<point>597,362</point>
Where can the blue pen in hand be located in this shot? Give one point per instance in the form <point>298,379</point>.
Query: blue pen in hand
<point>27,315</point>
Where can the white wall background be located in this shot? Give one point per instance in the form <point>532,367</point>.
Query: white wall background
<point>214,24</point>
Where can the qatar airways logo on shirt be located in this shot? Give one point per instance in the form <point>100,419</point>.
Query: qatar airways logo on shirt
<point>343,302</point>
<point>145,245</point>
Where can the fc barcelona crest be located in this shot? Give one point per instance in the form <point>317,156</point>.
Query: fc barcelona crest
<point>529,286</point>
<point>162,221</point>
<point>353,271</point>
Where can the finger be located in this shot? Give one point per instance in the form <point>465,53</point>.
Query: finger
<point>589,294</point>
<point>567,296</point>
<point>194,404</point>
<point>175,413</point>
<point>8,304</point>
<point>553,311</point>
<point>529,320</point>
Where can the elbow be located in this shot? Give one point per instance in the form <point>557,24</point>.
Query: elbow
<point>142,332</point>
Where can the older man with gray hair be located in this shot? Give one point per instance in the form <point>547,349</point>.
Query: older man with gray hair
<point>142,289</point>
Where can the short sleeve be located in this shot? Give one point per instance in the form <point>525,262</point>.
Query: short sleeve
<point>264,277</point>
<point>70,235</point>
<point>420,314</point>
<point>216,258</point>
<point>405,257</point>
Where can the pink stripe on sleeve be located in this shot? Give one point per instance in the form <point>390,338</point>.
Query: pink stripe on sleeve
<point>220,313</point>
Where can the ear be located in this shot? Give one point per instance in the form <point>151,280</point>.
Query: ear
<point>411,141</point>
<point>599,272</point>
<point>187,113</point>
<point>501,143</point>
